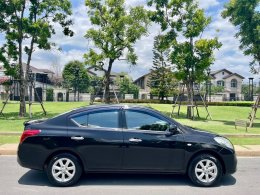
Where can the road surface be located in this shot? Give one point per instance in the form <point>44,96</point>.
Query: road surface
<point>17,180</point>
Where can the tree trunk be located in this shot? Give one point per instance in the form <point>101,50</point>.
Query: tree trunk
<point>75,92</point>
<point>190,100</point>
<point>190,108</point>
<point>28,63</point>
<point>107,81</point>
<point>22,110</point>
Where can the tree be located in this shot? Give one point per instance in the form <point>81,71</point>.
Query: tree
<point>115,32</point>
<point>29,24</point>
<point>162,80</point>
<point>76,76</point>
<point>217,89</point>
<point>245,15</point>
<point>126,86</point>
<point>183,23</point>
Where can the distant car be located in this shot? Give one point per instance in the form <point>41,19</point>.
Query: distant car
<point>118,138</point>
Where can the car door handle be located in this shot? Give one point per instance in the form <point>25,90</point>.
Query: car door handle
<point>135,140</point>
<point>78,138</point>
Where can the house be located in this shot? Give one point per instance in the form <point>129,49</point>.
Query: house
<point>142,83</point>
<point>230,81</point>
<point>3,79</point>
<point>114,77</point>
<point>42,80</point>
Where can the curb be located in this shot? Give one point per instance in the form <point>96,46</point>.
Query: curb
<point>8,149</point>
<point>241,135</point>
<point>248,154</point>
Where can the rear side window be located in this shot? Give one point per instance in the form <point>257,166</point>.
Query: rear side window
<point>101,119</point>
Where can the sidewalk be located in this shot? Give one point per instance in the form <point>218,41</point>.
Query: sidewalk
<point>245,150</point>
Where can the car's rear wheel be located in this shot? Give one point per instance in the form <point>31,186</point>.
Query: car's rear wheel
<point>64,170</point>
<point>205,170</point>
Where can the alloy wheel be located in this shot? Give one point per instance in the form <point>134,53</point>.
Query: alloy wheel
<point>206,171</point>
<point>63,170</point>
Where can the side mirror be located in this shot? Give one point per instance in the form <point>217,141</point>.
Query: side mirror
<point>172,129</point>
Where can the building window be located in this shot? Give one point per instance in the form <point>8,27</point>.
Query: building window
<point>223,73</point>
<point>234,83</point>
<point>221,83</point>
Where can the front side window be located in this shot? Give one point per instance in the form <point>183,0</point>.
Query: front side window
<point>102,119</point>
<point>144,121</point>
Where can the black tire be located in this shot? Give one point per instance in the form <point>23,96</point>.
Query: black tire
<point>73,163</point>
<point>211,173</point>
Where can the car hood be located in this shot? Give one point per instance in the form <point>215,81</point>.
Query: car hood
<point>198,132</point>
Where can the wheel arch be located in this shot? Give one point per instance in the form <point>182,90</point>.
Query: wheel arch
<point>213,153</point>
<point>63,151</point>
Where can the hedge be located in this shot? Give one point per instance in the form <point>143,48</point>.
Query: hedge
<point>153,101</point>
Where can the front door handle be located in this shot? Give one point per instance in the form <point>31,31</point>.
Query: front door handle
<point>136,140</point>
<point>78,138</point>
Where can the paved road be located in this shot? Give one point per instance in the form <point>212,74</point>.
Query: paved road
<point>17,180</point>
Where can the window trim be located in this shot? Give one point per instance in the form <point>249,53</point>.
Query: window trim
<point>97,111</point>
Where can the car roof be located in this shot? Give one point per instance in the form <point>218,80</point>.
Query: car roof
<point>101,106</point>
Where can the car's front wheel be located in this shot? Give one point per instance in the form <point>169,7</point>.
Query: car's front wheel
<point>64,170</point>
<point>205,170</point>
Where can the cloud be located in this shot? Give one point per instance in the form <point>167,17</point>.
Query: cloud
<point>229,56</point>
<point>81,24</point>
<point>134,3</point>
<point>205,4</point>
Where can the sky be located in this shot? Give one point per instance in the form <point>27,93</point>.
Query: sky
<point>73,48</point>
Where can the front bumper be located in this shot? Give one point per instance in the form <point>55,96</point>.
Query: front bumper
<point>229,160</point>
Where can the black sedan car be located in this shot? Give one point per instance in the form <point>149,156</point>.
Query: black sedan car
<point>120,139</point>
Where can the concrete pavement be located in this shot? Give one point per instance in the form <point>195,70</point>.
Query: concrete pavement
<point>241,150</point>
<point>22,181</point>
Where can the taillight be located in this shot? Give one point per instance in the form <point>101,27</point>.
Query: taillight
<point>29,133</point>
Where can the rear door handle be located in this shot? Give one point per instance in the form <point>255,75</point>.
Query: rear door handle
<point>136,140</point>
<point>78,138</point>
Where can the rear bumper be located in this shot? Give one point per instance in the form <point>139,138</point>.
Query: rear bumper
<point>229,160</point>
<point>28,157</point>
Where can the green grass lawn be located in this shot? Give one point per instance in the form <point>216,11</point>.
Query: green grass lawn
<point>12,123</point>
<point>9,139</point>
<point>223,118</point>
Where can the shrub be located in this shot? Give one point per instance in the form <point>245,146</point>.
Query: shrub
<point>156,101</point>
<point>49,95</point>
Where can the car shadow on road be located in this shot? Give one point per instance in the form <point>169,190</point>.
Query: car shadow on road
<point>38,178</point>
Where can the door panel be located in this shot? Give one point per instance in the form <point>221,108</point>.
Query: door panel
<point>149,146</point>
<point>156,151</point>
<point>101,147</point>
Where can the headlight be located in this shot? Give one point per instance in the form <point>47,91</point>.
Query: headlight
<point>224,142</point>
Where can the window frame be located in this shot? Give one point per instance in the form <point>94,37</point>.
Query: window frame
<point>233,81</point>
<point>119,118</point>
<point>221,83</point>
<point>148,112</point>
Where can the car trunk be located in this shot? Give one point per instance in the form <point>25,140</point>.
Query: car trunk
<point>27,124</point>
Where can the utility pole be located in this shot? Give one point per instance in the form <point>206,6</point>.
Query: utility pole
<point>251,88</point>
